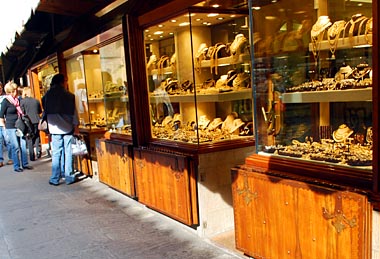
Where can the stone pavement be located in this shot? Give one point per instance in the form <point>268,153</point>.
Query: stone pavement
<point>87,220</point>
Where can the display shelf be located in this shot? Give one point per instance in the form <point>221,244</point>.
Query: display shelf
<point>346,43</point>
<point>350,95</point>
<point>362,169</point>
<point>164,71</point>
<point>96,100</point>
<point>217,97</point>
<point>226,61</point>
<point>101,99</point>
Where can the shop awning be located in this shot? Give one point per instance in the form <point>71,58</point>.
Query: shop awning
<point>50,24</point>
<point>61,24</point>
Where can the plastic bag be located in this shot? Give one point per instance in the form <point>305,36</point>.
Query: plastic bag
<point>78,146</point>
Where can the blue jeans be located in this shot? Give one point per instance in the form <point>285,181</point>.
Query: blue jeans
<point>4,142</point>
<point>17,145</point>
<point>62,158</point>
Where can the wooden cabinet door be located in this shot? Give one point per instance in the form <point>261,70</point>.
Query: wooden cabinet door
<point>166,183</point>
<point>115,166</point>
<point>280,218</point>
<point>103,161</point>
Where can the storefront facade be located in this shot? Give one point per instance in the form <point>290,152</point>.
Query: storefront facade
<point>257,119</point>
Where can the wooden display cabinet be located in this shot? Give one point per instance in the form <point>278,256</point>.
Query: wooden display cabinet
<point>282,218</point>
<point>311,189</point>
<point>166,182</point>
<point>115,166</point>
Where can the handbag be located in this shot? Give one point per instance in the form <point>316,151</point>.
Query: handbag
<point>24,127</point>
<point>78,146</point>
<point>43,124</point>
<point>20,127</point>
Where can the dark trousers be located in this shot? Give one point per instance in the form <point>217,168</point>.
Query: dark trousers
<point>34,142</point>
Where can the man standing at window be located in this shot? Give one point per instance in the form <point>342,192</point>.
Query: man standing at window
<point>62,118</point>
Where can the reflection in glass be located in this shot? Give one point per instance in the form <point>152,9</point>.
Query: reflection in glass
<point>198,68</point>
<point>313,80</point>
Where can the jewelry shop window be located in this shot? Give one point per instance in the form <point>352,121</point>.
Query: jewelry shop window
<point>198,67</point>
<point>313,81</point>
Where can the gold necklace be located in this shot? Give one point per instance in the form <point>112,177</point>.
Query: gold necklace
<point>350,25</point>
<point>322,23</point>
<point>368,30</point>
<point>333,34</point>
<point>316,45</point>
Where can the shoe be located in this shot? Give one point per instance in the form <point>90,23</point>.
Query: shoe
<point>1,164</point>
<point>28,167</point>
<point>55,184</point>
<point>10,162</point>
<point>19,170</point>
<point>74,180</point>
<point>38,154</point>
<point>32,159</point>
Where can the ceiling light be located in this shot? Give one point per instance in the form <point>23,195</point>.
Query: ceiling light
<point>95,51</point>
<point>158,32</point>
<point>173,20</point>
<point>215,5</point>
<point>184,24</point>
<point>256,8</point>
<point>270,17</point>
<point>362,46</point>
<point>146,30</point>
<point>160,25</point>
<point>191,14</point>
<point>220,18</point>
<point>212,14</point>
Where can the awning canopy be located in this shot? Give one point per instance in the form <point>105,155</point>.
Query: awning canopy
<point>47,27</point>
<point>61,24</point>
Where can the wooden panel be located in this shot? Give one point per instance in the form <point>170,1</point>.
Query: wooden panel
<point>102,161</point>
<point>115,166</point>
<point>83,164</point>
<point>165,182</point>
<point>279,218</point>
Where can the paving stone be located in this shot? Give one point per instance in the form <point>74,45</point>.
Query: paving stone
<point>88,220</point>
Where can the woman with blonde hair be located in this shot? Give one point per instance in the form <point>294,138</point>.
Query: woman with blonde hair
<point>9,112</point>
<point>4,141</point>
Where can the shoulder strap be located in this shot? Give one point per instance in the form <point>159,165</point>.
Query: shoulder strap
<point>16,104</point>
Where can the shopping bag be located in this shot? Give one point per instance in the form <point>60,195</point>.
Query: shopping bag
<point>78,146</point>
<point>43,124</point>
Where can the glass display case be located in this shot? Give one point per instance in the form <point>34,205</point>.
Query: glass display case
<point>40,75</point>
<point>45,73</point>
<point>77,85</point>
<point>97,78</point>
<point>199,75</point>
<point>113,71</point>
<point>313,81</point>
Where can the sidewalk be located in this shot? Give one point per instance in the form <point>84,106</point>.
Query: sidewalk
<point>87,220</point>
